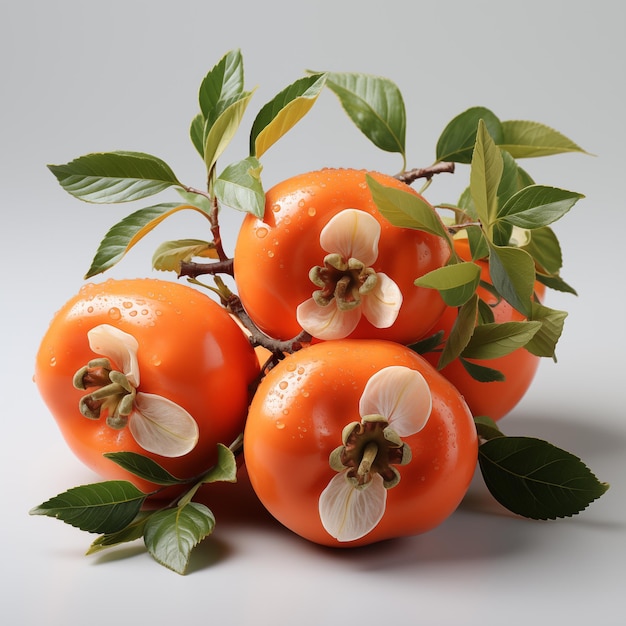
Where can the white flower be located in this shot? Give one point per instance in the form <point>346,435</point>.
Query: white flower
<point>349,287</point>
<point>396,402</point>
<point>157,424</point>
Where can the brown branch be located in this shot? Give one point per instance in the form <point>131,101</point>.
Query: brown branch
<point>193,269</point>
<point>258,338</point>
<point>410,176</point>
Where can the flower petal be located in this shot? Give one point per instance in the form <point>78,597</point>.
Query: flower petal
<point>399,394</point>
<point>353,234</point>
<point>382,305</point>
<point>349,512</point>
<point>162,426</point>
<point>327,322</point>
<point>119,347</point>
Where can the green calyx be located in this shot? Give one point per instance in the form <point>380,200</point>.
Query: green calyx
<point>346,282</point>
<point>370,447</point>
<point>113,394</point>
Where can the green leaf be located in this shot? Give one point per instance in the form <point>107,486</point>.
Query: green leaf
<point>110,177</point>
<point>222,131</point>
<point>222,83</point>
<point>197,199</point>
<point>104,507</point>
<point>144,467</point>
<point>196,133</point>
<point>239,187</point>
<point>170,254</point>
<point>406,209</point>
<point>456,142</point>
<point>556,283</point>
<point>456,283</point>
<point>225,469</point>
<point>487,428</point>
<point>375,105</point>
<point>428,344</point>
<point>491,341</point>
<point>481,373</point>
<point>512,271</point>
<point>535,479</point>
<point>126,233</point>
<point>545,249</point>
<point>485,175</point>
<point>170,535</point>
<point>283,112</point>
<point>477,242</point>
<point>537,206</point>
<point>552,321</point>
<point>460,333</point>
<point>531,139</point>
<point>129,533</point>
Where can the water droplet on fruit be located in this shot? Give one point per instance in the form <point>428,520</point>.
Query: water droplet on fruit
<point>261,232</point>
<point>115,313</point>
<point>312,211</point>
<point>270,254</point>
<point>276,207</point>
<point>133,313</point>
<point>280,425</point>
<point>283,384</point>
<point>127,305</point>
<point>53,361</point>
<point>301,203</point>
<point>155,360</point>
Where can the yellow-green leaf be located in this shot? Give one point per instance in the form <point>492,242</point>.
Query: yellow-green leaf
<point>223,129</point>
<point>283,112</point>
<point>531,139</point>
<point>170,254</point>
<point>126,233</point>
<point>485,174</point>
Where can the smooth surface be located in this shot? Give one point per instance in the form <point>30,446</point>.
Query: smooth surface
<point>79,77</point>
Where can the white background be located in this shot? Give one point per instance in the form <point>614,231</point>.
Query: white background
<point>79,77</point>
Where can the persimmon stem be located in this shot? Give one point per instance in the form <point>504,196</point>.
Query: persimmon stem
<point>368,458</point>
<point>409,176</point>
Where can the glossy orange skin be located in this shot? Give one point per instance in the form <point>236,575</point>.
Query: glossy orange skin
<point>295,422</point>
<point>190,351</point>
<point>273,256</point>
<point>493,399</point>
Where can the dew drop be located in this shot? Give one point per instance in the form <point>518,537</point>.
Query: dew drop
<point>127,305</point>
<point>291,367</point>
<point>300,370</point>
<point>144,311</point>
<point>115,313</point>
<point>89,309</point>
<point>53,361</point>
<point>283,384</point>
<point>301,203</point>
<point>155,360</point>
<point>305,394</point>
<point>285,411</point>
<point>261,232</point>
<point>133,313</point>
<point>276,207</point>
<point>312,211</point>
<point>280,425</point>
<point>270,254</point>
